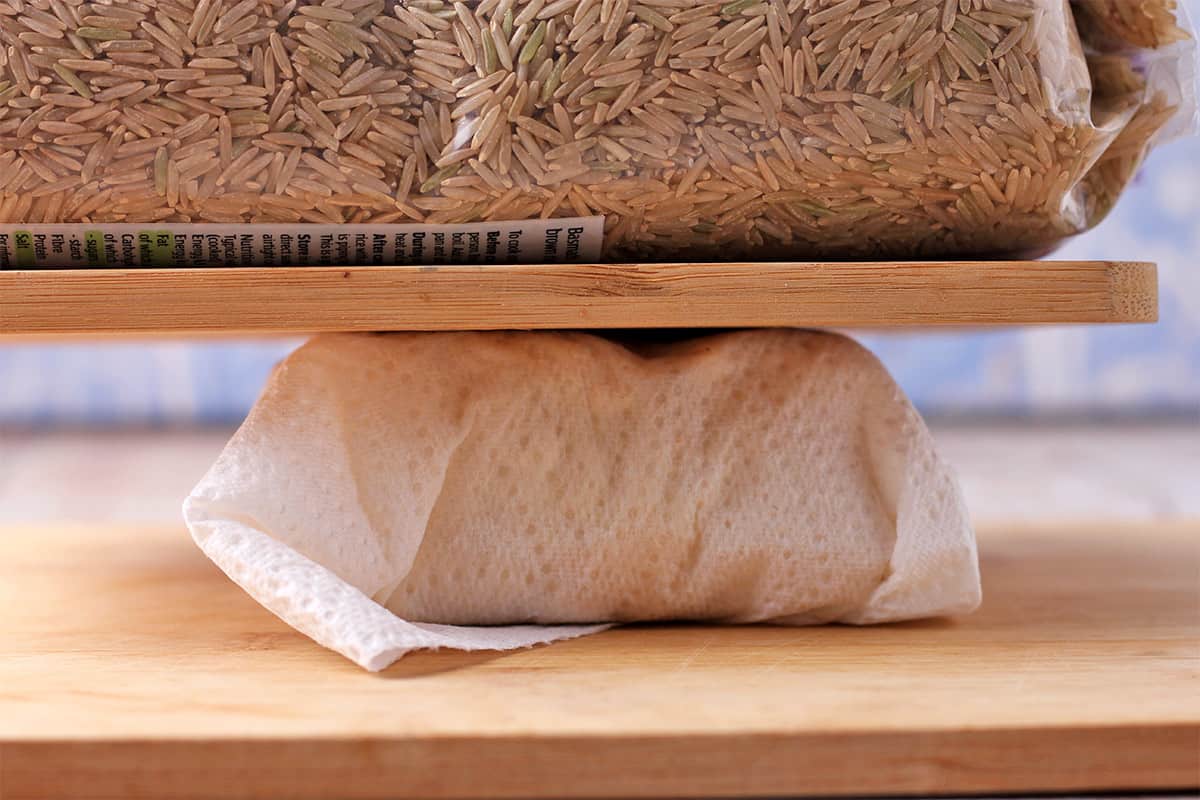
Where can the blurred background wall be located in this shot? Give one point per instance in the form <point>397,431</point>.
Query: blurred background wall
<point>1130,370</point>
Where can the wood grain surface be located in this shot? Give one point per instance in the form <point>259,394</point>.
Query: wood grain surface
<point>131,668</point>
<point>575,296</point>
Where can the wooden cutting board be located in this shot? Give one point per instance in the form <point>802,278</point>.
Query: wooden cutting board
<point>728,295</point>
<point>130,667</point>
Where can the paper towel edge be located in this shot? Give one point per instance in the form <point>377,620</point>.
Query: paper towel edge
<point>227,543</point>
<point>955,545</point>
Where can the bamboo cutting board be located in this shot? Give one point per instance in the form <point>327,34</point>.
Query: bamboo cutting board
<point>315,299</point>
<point>131,668</point>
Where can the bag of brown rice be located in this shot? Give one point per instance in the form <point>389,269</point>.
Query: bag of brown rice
<point>697,129</point>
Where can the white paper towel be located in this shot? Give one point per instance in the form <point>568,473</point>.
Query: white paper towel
<point>388,491</point>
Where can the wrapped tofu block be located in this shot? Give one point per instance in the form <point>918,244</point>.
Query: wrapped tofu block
<point>494,490</point>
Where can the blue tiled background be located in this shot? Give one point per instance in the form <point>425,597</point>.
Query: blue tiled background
<point>1136,369</point>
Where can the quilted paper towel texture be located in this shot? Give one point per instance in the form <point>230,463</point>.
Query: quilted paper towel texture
<point>496,490</point>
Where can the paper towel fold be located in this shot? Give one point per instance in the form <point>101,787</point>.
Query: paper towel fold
<point>496,490</point>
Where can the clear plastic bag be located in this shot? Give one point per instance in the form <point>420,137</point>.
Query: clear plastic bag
<point>698,128</point>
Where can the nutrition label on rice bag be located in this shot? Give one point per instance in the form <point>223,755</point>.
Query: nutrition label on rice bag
<point>83,246</point>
